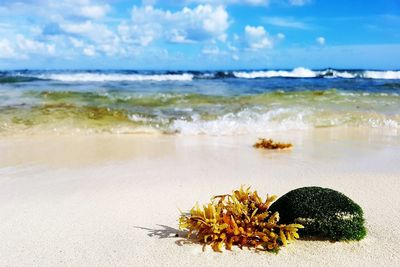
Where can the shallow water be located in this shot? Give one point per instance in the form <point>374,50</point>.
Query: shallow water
<point>215,103</point>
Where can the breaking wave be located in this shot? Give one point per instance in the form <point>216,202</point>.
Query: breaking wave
<point>158,76</point>
<point>244,122</point>
<point>296,73</point>
<point>394,75</point>
<point>328,73</point>
<point>114,77</point>
<point>190,113</point>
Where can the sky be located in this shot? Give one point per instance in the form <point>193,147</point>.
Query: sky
<point>199,34</point>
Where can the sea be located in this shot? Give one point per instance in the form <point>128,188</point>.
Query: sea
<point>231,102</point>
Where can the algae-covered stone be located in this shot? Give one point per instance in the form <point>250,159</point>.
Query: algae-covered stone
<point>324,213</point>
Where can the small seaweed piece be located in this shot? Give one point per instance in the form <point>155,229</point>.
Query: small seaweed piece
<point>242,219</point>
<point>271,144</point>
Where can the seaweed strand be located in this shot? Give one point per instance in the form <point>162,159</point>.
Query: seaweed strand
<point>241,219</point>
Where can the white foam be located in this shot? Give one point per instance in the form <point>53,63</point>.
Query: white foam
<point>345,74</point>
<point>382,74</point>
<point>157,122</point>
<point>102,77</point>
<point>307,73</point>
<point>244,122</point>
<point>338,74</point>
<point>295,73</point>
<point>383,123</point>
<point>251,121</point>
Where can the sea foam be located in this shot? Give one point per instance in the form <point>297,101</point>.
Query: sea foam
<point>382,74</point>
<point>111,77</point>
<point>244,122</point>
<point>338,74</point>
<point>121,76</point>
<point>328,73</point>
<point>295,73</point>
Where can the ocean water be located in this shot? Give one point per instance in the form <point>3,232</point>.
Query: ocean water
<point>196,102</point>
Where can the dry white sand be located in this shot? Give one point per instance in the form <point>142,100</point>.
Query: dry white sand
<point>114,200</point>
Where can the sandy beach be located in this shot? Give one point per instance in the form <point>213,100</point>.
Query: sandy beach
<point>114,200</point>
<point>119,118</point>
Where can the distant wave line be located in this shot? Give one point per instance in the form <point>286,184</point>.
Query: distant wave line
<point>120,76</point>
<point>103,77</point>
<point>328,73</point>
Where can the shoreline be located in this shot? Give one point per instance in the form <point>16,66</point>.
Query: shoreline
<point>115,200</point>
<point>53,149</point>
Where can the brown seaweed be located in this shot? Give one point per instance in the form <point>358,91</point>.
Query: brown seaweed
<point>242,219</point>
<point>271,144</point>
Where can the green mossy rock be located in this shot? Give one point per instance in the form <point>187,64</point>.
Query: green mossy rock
<point>324,213</point>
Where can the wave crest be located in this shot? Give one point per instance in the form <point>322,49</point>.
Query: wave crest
<point>295,73</point>
<point>328,73</point>
<point>387,75</point>
<point>114,77</point>
<point>141,76</point>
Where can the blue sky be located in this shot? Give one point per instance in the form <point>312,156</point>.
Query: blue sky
<point>199,34</point>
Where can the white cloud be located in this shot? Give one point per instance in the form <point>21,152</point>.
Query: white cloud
<point>76,42</point>
<point>68,24</point>
<point>71,28</point>
<point>89,51</point>
<point>286,22</point>
<point>30,46</point>
<point>6,49</point>
<point>94,11</point>
<point>57,10</point>
<point>142,35</point>
<point>215,21</point>
<point>51,49</point>
<point>101,36</point>
<point>320,40</point>
<point>299,2</point>
<point>177,36</point>
<point>211,51</point>
<point>280,36</point>
<point>257,38</point>
<point>75,8</point>
<point>96,32</point>
<point>232,47</point>
<point>201,23</point>
<point>86,28</point>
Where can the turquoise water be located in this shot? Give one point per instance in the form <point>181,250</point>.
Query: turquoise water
<point>215,103</point>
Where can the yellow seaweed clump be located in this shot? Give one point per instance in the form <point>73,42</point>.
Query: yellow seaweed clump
<point>271,144</point>
<point>242,219</point>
